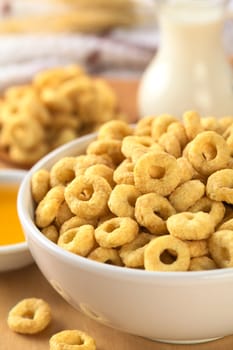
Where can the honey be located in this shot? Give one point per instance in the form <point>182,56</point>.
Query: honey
<point>10,228</point>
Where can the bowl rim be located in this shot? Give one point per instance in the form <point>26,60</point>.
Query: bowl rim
<point>12,176</point>
<point>88,264</point>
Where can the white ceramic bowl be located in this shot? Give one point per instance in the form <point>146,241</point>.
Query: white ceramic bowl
<point>13,256</point>
<point>180,307</point>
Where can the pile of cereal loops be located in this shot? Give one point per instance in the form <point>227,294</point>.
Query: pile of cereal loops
<point>33,315</point>
<point>58,106</point>
<point>156,197</point>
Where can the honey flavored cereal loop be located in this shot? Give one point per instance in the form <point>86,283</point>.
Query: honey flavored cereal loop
<point>123,174</point>
<point>112,148</point>
<point>72,340</point>
<point>219,186</point>
<point>122,200</point>
<point>116,232</point>
<point>160,125</point>
<point>76,221</point>
<point>87,196</point>
<point>216,210</point>
<point>62,172</point>
<point>192,124</point>
<point>106,255</point>
<point>143,126</point>
<point>51,233</point>
<point>29,316</point>
<point>152,211</point>
<point>86,161</point>
<point>101,170</point>
<point>221,248</point>
<point>40,184</point>
<point>114,129</point>
<point>155,249</point>
<point>202,263</point>
<point>157,172</point>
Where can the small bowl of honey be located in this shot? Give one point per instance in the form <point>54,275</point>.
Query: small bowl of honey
<point>14,252</point>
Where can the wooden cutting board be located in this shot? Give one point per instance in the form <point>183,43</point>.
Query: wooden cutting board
<point>29,282</point>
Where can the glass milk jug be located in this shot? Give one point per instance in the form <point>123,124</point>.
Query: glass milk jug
<point>190,70</point>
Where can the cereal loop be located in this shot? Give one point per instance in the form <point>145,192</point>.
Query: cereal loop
<point>106,255</point>
<point>159,245</point>
<point>40,184</point>
<point>221,248</point>
<point>72,340</point>
<point>202,263</point>
<point>123,174</point>
<point>160,125</point>
<point>122,200</point>
<point>63,171</point>
<point>114,129</point>
<point>29,316</point>
<point>219,186</point>
<point>216,210</point>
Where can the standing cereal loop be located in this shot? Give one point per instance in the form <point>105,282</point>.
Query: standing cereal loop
<point>63,214</point>
<point>190,226</point>
<point>116,232</point>
<point>78,240</point>
<point>197,248</point>
<point>177,129</point>
<point>152,211</point>
<point>157,172</point>
<point>29,316</point>
<point>211,123</point>
<point>87,196</point>
<point>186,169</point>
<point>106,255</point>
<point>115,129</point>
<point>40,184</point>
<point>187,194</point>
<point>143,126</point>
<point>47,209</point>
<point>123,174</point>
<point>51,233</point>
<point>170,144</point>
<point>132,254</point>
<point>160,125</point>
<point>62,171</point>
<point>192,124</point>
<point>219,186</point>
<point>122,200</point>
<point>71,340</point>
<point>101,170</point>
<point>221,248</point>
<point>202,263</point>
<point>112,148</point>
<point>216,210</point>
<point>86,161</point>
<point>153,256</point>
<point>76,221</point>
<point>134,147</point>
<point>208,152</point>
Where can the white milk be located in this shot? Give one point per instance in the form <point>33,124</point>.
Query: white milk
<point>190,71</point>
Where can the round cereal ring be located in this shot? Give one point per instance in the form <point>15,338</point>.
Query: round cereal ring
<point>160,125</point>
<point>152,211</point>
<point>156,172</point>
<point>86,161</point>
<point>208,152</point>
<point>170,144</point>
<point>134,147</point>
<point>216,210</point>
<point>71,340</point>
<point>112,148</point>
<point>40,184</point>
<point>116,232</point>
<point>225,123</point>
<point>221,248</point>
<point>123,174</point>
<point>190,226</point>
<point>197,248</point>
<point>177,129</point>
<point>187,194</point>
<point>154,252</point>
<point>63,214</point>
<point>106,255</point>
<point>202,263</point>
<point>132,254</point>
<point>78,240</point>
<point>76,221</point>
<point>143,126</point>
<point>101,170</point>
<point>87,196</point>
<point>192,124</point>
<point>122,200</point>
<point>186,170</point>
<point>47,209</point>
<point>219,186</point>
<point>226,225</point>
<point>211,124</point>
<point>51,233</point>
<point>29,316</point>
<point>62,172</point>
<point>115,129</point>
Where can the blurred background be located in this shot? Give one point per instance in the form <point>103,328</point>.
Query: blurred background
<point>114,38</point>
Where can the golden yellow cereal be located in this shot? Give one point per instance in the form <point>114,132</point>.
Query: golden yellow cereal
<point>134,147</point>
<point>219,186</point>
<point>63,214</point>
<point>87,196</point>
<point>152,211</point>
<point>170,144</point>
<point>72,340</point>
<point>186,195</point>
<point>192,124</point>
<point>78,240</point>
<point>154,254</point>
<point>106,255</point>
<point>29,316</point>
<point>197,248</point>
<point>115,129</point>
<point>63,171</point>
<point>157,172</point>
<point>123,174</point>
<point>101,170</point>
<point>190,226</point>
<point>186,170</point>
<point>86,161</point>
<point>112,148</point>
<point>160,125</point>
<point>51,233</point>
<point>132,254</point>
<point>202,263</point>
<point>122,200</point>
<point>143,126</point>
<point>76,221</point>
<point>221,248</point>
<point>116,232</point>
<point>178,130</point>
<point>216,210</point>
<point>40,184</point>
<point>226,225</point>
<point>47,209</point>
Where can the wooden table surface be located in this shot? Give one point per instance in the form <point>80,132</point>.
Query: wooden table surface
<point>29,282</point>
